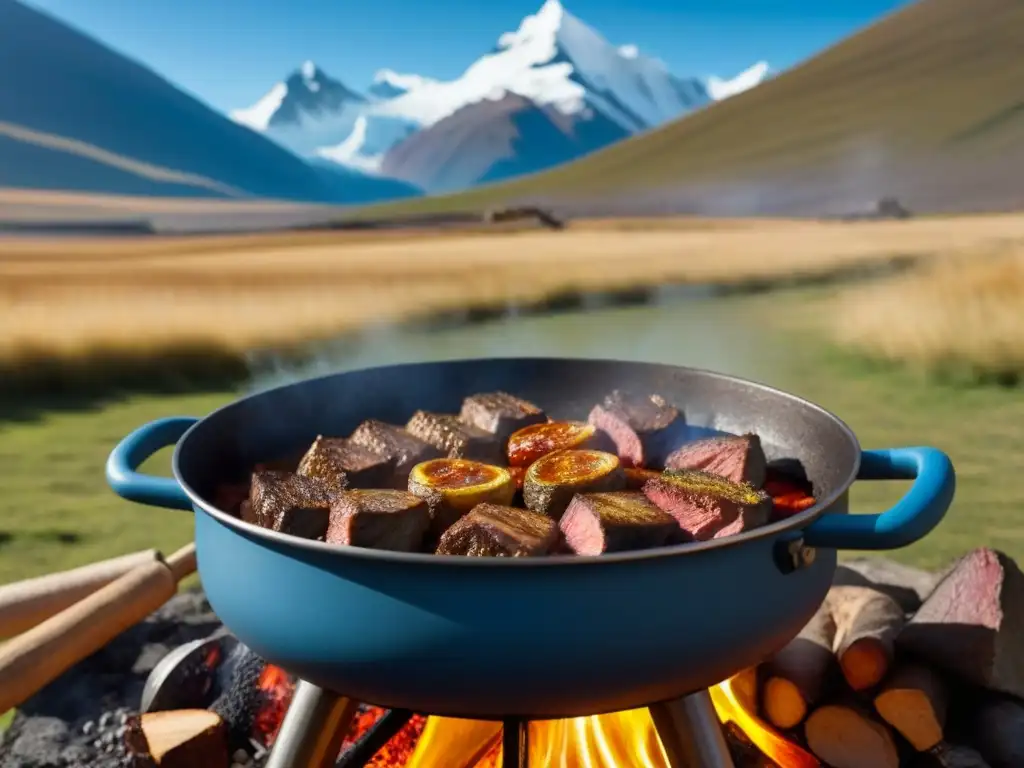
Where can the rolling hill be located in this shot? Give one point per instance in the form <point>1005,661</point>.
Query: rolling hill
<point>927,104</point>
<point>76,115</point>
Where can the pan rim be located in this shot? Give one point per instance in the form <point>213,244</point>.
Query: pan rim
<point>419,559</point>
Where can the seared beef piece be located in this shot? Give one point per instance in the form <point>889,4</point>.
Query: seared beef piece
<point>552,481</point>
<point>500,413</point>
<point>492,530</point>
<point>530,443</point>
<point>595,523</point>
<point>705,504</point>
<point>341,464</point>
<point>452,487</point>
<point>395,444</point>
<point>229,497</point>
<point>455,438</point>
<point>290,503</point>
<point>378,519</point>
<point>738,458</point>
<point>643,428</point>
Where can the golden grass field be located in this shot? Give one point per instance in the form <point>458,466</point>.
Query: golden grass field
<point>962,317</point>
<point>67,301</point>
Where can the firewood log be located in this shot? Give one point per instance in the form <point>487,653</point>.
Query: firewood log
<point>797,674</point>
<point>181,738</point>
<point>973,623</point>
<point>846,736</point>
<point>906,585</point>
<point>945,755</point>
<point>867,623</point>
<point>913,700</point>
<point>998,730</point>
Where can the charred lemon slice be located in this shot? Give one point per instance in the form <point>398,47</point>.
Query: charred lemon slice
<point>553,480</point>
<point>452,487</point>
<point>531,443</point>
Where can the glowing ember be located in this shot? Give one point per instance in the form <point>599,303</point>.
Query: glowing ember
<point>276,689</point>
<point>397,751</point>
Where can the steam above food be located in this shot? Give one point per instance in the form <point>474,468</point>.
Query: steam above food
<point>502,479</point>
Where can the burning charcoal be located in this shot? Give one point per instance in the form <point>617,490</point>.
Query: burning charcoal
<point>395,444</point>
<point>527,445</point>
<point>340,463</point>
<point>642,428</point>
<point>452,487</point>
<point>552,481</point>
<point>454,437</point>
<point>738,458</point>
<point>378,519</point>
<point>490,530</point>
<point>500,413</point>
<point>706,505</point>
<point>289,503</point>
<point>595,523</point>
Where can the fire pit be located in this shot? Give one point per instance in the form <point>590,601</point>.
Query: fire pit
<point>519,641</point>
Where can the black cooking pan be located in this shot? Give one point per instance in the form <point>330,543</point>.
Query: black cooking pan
<point>533,637</point>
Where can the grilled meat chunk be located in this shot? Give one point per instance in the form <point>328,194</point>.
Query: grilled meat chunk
<point>707,505</point>
<point>738,458</point>
<point>492,530</point>
<point>530,443</point>
<point>643,428</point>
<point>500,413</point>
<point>595,523</point>
<point>395,444</point>
<point>553,480</point>
<point>452,487</point>
<point>378,519</point>
<point>340,464</point>
<point>290,503</point>
<point>455,438</point>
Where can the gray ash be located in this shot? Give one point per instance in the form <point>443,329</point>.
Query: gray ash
<point>79,720</point>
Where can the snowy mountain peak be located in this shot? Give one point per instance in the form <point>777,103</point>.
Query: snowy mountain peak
<point>307,93</point>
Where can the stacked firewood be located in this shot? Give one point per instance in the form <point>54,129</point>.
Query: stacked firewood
<point>900,667</point>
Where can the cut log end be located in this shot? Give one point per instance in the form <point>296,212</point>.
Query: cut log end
<point>867,623</point>
<point>844,737</point>
<point>783,704</point>
<point>913,701</point>
<point>185,738</point>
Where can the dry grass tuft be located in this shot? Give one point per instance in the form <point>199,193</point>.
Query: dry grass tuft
<point>960,317</point>
<point>79,310</point>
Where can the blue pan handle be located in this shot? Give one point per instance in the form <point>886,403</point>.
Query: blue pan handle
<point>913,516</point>
<point>135,449</point>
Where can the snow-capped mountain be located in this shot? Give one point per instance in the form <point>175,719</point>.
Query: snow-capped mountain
<point>80,116</point>
<point>553,60</point>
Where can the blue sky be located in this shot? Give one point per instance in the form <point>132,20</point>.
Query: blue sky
<point>229,52</point>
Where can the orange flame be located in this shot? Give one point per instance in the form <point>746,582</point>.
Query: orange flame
<point>601,741</point>
<point>735,701</point>
<point>618,740</point>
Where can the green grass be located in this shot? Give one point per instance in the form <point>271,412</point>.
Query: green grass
<point>56,510</point>
<point>876,103</point>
